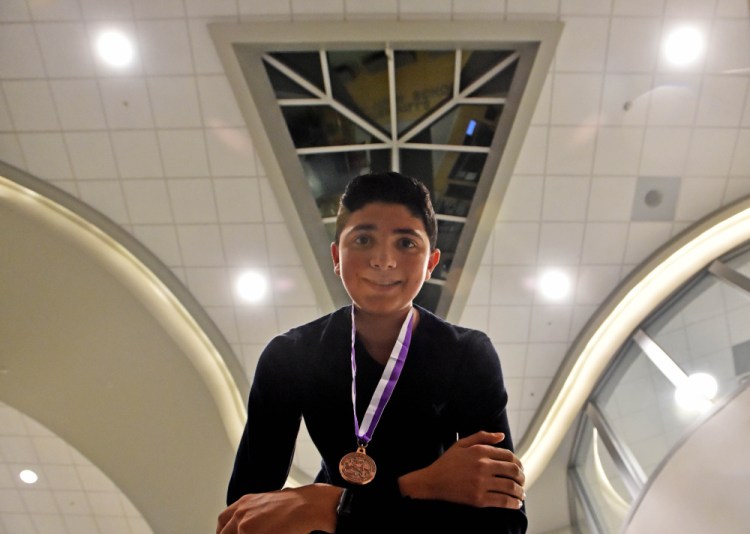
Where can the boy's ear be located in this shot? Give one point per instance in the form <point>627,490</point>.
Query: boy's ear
<point>336,259</point>
<point>432,262</point>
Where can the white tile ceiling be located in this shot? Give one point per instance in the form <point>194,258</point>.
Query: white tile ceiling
<point>161,148</point>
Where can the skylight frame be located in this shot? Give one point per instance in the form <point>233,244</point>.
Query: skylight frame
<point>537,38</point>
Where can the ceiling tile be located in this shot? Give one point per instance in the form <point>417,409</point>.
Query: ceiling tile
<point>480,289</point>
<point>19,53</point>
<point>14,11</point>
<point>632,42</point>
<point>565,198</point>
<point>512,285</point>
<point>211,8</point>
<point>106,9</point>
<point>106,196</point>
<point>595,282</point>
<point>575,98</point>
<point>148,202</point>
<point>582,314</point>
<point>644,238</point>
<point>165,47</point>
<point>543,359</point>
<point>174,102</point>
<point>47,155</point>
<point>737,188</point>
<point>571,150</point>
<point>205,58</point>
<point>585,7</point>
<point>689,8</point>
<point>699,197</point>
<point>711,152</point>
<point>728,46</point>
<point>515,243</point>
<point>161,240</point>
<point>148,9</point>
<point>17,449</point>
<point>360,9</point>
<point>225,320</point>
<point>192,200</point>
<point>583,45</point>
<point>11,422</point>
<point>560,243</point>
<point>533,155</point>
<point>674,100</point>
<point>91,155</point>
<point>40,501</point>
<point>257,324</point>
<point>625,99</point>
<point>81,523</point>
<point>721,101</point>
<point>137,153</point>
<point>183,152</point>
<point>281,249</point>
<point>618,151</point>
<point>731,8</point>
<point>664,151</point>
<point>230,152</point>
<point>11,504</point>
<point>31,105</point>
<point>218,105</point>
<point>544,104</point>
<point>62,477</point>
<point>604,243</point>
<point>523,199</point>
<point>254,10</point>
<point>105,503</point>
<point>209,285</point>
<point>512,359</point>
<point>79,104</point>
<point>741,159</point>
<point>245,245</point>
<point>58,10</point>
<point>292,287</point>
<point>477,317</point>
<point>238,199</point>
<point>69,61</point>
<point>533,7</point>
<point>550,324</point>
<point>417,9</point>
<point>201,245</point>
<point>126,103</point>
<point>10,150</point>
<point>138,525</point>
<point>6,124</point>
<point>509,324</point>
<point>533,392</point>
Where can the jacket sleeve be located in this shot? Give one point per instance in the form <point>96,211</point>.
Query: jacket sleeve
<point>266,448</point>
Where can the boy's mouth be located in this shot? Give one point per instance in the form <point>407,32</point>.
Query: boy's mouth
<point>383,283</point>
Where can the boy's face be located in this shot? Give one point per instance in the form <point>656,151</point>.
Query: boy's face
<point>383,257</point>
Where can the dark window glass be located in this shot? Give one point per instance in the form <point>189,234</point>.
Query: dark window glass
<point>306,64</point>
<point>429,296</point>
<point>449,233</point>
<point>478,62</point>
<point>424,82</point>
<point>319,126</point>
<point>328,174</point>
<point>471,125</point>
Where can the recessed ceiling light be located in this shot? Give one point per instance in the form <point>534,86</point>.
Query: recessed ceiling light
<point>696,393</point>
<point>683,46</point>
<point>115,48</point>
<point>554,285</point>
<point>252,286</point>
<point>28,476</point>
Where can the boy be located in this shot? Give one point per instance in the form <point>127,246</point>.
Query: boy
<point>388,438</point>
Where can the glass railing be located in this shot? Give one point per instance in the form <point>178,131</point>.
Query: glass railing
<point>683,362</point>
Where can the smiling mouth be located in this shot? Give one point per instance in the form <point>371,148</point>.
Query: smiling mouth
<point>384,283</point>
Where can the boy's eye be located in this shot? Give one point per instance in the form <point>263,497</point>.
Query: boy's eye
<point>407,243</point>
<point>361,240</point>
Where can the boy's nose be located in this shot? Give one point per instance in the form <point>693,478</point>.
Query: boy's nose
<point>382,258</point>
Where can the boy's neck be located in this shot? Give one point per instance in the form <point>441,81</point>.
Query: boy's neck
<point>378,333</point>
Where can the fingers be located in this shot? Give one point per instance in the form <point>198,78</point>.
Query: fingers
<point>481,438</point>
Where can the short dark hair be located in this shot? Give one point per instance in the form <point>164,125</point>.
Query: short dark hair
<point>390,188</point>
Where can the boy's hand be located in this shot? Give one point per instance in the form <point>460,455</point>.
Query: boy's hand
<point>293,510</point>
<point>474,472</point>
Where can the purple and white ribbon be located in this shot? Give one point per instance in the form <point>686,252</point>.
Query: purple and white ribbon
<point>387,383</point>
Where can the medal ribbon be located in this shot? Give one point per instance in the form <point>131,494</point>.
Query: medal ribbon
<point>387,383</point>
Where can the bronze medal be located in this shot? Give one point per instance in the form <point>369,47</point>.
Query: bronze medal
<point>357,467</point>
